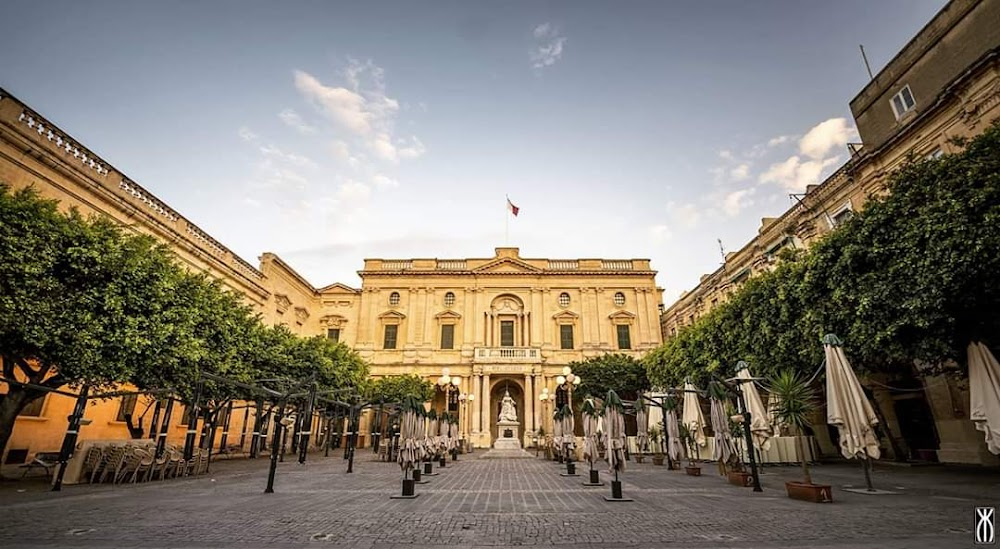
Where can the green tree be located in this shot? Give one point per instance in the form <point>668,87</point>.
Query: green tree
<point>398,388</point>
<point>614,371</point>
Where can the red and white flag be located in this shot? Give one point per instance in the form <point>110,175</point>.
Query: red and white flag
<point>513,209</point>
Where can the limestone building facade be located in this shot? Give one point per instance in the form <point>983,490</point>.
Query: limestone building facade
<point>944,84</point>
<point>500,322</point>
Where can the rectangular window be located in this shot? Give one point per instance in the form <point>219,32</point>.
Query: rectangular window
<point>389,342</point>
<point>903,102</point>
<point>566,336</point>
<point>127,406</point>
<point>32,409</point>
<point>624,338</point>
<point>333,334</point>
<point>506,333</point>
<point>186,416</point>
<point>448,336</point>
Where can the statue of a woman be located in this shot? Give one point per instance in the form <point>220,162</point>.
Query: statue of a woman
<point>508,412</point>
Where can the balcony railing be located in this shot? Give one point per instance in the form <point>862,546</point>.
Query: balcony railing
<point>518,355</point>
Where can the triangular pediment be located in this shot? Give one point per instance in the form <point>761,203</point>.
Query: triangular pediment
<point>565,315</point>
<point>448,314</point>
<point>621,315</point>
<point>338,288</point>
<point>507,265</point>
<point>392,314</point>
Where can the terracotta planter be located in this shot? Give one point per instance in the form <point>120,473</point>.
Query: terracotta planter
<point>816,493</point>
<point>739,478</point>
<point>658,459</point>
<point>693,471</point>
<point>639,458</point>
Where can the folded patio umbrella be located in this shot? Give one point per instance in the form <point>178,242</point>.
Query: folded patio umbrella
<point>641,426</point>
<point>760,427</point>
<point>691,415</point>
<point>590,451</point>
<point>847,407</point>
<point>408,429</point>
<point>984,394</point>
<point>675,448</point>
<point>724,449</point>
<point>568,429</point>
<point>614,436</point>
<point>557,432</point>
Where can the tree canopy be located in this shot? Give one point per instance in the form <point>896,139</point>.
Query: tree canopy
<point>619,372</point>
<point>910,277</point>
<point>399,388</point>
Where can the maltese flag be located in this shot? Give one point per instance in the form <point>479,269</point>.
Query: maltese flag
<point>513,209</point>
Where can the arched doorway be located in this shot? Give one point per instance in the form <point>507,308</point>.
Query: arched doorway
<point>516,390</point>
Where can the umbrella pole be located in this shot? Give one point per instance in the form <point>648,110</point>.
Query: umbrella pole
<point>866,464</point>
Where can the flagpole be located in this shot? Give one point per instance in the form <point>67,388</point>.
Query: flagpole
<point>506,222</point>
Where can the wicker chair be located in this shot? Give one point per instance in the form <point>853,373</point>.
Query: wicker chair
<point>93,462</point>
<point>113,461</point>
<point>145,465</point>
<point>128,465</point>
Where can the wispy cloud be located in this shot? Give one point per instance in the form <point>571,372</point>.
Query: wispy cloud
<point>818,151</point>
<point>294,120</point>
<point>548,46</point>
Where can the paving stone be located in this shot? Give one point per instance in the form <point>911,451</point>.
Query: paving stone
<point>480,501</point>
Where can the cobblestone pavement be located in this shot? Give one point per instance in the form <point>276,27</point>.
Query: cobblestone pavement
<point>497,502</point>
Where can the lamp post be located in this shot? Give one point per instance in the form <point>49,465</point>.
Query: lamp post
<point>446,382</point>
<point>544,398</point>
<point>463,420</point>
<point>567,381</point>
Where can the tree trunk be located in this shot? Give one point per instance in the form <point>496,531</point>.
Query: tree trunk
<point>805,460</point>
<point>16,399</point>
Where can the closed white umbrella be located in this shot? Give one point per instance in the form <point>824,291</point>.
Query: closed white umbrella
<point>760,427</point>
<point>691,415</point>
<point>984,394</point>
<point>408,430</point>
<point>442,440</point>
<point>568,430</point>
<point>590,451</point>
<point>557,431</point>
<point>675,448</point>
<point>641,426</point>
<point>847,407</point>
<point>724,449</point>
<point>614,436</point>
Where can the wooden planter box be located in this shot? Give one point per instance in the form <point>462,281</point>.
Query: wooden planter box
<point>639,458</point>
<point>816,493</point>
<point>658,459</point>
<point>693,471</point>
<point>739,478</point>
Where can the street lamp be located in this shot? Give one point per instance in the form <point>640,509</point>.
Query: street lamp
<point>544,398</point>
<point>464,419</point>
<point>446,382</point>
<point>567,381</point>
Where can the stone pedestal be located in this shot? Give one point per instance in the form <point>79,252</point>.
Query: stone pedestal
<point>508,435</point>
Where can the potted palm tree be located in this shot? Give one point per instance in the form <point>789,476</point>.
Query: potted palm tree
<point>687,439</point>
<point>796,403</point>
<point>656,442</point>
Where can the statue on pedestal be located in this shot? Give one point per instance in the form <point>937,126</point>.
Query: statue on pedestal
<point>508,412</point>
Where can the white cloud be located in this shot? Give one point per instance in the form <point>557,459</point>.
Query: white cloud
<point>292,119</point>
<point>660,233</point>
<point>353,191</point>
<point>781,139</point>
<point>740,173</point>
<point>246,135</point>
<point>734,202</point>
<point>384,182</point>
<point>363,109</point>
<point>548,46</point>
<point>825,137</point>
<point>726,154</point>
<point>794,175</point>
<point>686,215</point>
<point>271,151</point>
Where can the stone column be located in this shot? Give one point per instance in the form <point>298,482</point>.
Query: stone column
<point>486,419</point>
<point>529,404</point>
<point>478,391</point>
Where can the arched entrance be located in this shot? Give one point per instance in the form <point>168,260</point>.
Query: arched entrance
<point>516,390</point>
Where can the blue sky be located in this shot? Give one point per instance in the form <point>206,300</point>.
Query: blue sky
<point>328,132</point>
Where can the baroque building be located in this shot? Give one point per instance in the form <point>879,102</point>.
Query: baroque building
<point>944,84</point>
<point>500,323</point>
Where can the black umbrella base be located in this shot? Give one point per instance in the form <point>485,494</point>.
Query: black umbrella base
<point>616,492</point>
<point>429,469</point>
<point>417,478</point>
<point>595,479</point>
<point>408,492</point>
<point>443,462</point>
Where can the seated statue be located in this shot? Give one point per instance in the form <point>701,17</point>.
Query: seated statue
<point>508,412</point>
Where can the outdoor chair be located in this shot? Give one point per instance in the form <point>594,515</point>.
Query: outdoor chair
<point>42,460</point>
<point>144,467</point>
<point>94,459</point>
<point>128,465</point>
<point>189,467</point>
<point>113,462</point>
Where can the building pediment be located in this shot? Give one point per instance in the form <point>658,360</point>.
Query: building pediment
<point>565,315</point>
<point>282,302</point>
<point>392,315</point>
<point>622,317</point>
<point>338,288</point>
<point>333,321</point>
<point>506,265</point>
<point>449,314</point>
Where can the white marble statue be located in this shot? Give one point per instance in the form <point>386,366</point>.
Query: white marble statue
<point>508,412</point>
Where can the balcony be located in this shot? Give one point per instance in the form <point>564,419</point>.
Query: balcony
<point>508,355</point>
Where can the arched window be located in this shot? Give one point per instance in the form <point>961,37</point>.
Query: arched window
<point>619,299</point>
<point>394,298</point>
<point>564,300</point>
<point>449,299</point>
